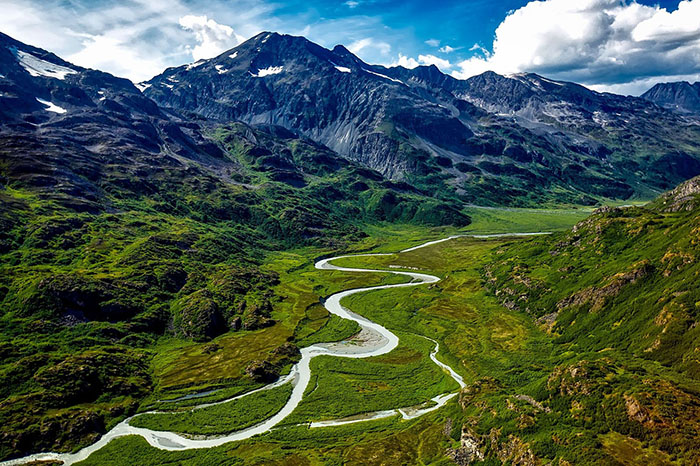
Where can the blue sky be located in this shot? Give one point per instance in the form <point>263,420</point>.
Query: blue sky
<point>617,45</point>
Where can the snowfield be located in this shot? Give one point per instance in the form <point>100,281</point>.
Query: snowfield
<point>38,67</point>
<point>51,107</point>
<point>268,71</point>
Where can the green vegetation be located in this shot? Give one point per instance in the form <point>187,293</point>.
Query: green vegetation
<point>477,336</point>
<point>342,387</point>
<point>108,314</point>
<point>456,312</point>
<point>172,282</point>
<point>619,296</point>
<point>502,220</point>
<point>563,394</point>
<point>222,418</point>
<point>330,329</point>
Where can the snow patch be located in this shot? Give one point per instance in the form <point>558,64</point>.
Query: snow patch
<point>233,55</point>
<point>142,86</point>
<point>267,71</point>
<point>169,86</point>
<point>522,78</point>
<point>173,80</point>
<point>552,82</point>
<point>51,107</point>
<point>386,77</point>
<point>37,67</point>
<point>220,69</point>
<point>194,65</point>
<point>343,69</point>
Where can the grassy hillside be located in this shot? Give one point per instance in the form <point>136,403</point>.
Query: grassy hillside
<point>619,293</point>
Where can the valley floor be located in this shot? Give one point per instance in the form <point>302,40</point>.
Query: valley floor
<point>505,360</point>
<point>477,337</point>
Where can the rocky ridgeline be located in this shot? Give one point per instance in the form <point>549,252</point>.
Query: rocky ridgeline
<point>684,197</point>
<point>491,139</point>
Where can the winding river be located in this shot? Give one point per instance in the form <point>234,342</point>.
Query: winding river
<point>372,340</point>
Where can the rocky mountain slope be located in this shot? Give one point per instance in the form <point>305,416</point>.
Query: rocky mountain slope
<point>620,293</point>
<point>679,96</point>
<point>517,140</point>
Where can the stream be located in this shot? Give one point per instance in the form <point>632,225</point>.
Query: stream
<point>372,340</point>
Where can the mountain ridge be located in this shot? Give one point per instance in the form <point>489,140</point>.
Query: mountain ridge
<point>543,141</point>
<point>681,96</point>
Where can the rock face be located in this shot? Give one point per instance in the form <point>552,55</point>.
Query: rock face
<point>469,450</point>
<point>328,95</point>
<point>684,197</point>
<point>680,96</point>
<point>69,132</point>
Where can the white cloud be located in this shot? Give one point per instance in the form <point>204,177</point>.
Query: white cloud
<point>109,52</point>
<point>369,43</point>
<point>406,62</point>
<point>433,42</point>
<point>433,60</point>
<point>410,62</point>
<point>480,49</point>
<point>447,49</point>
<point>597,42</point>
<point>135,39</point>
<point>213,38</point>
<point>352,4</point>
<point>684,23</point>
<point>639,86</point>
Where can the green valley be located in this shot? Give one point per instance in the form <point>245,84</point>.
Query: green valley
<point>281,254</point>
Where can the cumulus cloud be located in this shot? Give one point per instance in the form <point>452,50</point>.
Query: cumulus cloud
<point>410,62</point>
<point>597,42</point>
<point>406,62</point>
<point>213,38</point>
<point>433,60</point>
<point>369,43</point>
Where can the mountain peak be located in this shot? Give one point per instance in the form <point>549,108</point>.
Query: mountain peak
<point>341,50</point>
<point>680,96</point>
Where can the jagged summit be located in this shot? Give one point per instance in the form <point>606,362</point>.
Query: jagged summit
<point>62,123</point>
<point>525,133</point>
<point>679,96</point>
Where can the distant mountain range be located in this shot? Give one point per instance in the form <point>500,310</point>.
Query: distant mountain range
<point>520,140</point>
<point>491,139</point>
<point>680,96</point>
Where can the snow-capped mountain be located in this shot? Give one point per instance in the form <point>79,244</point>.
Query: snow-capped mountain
<point>490,138</point>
